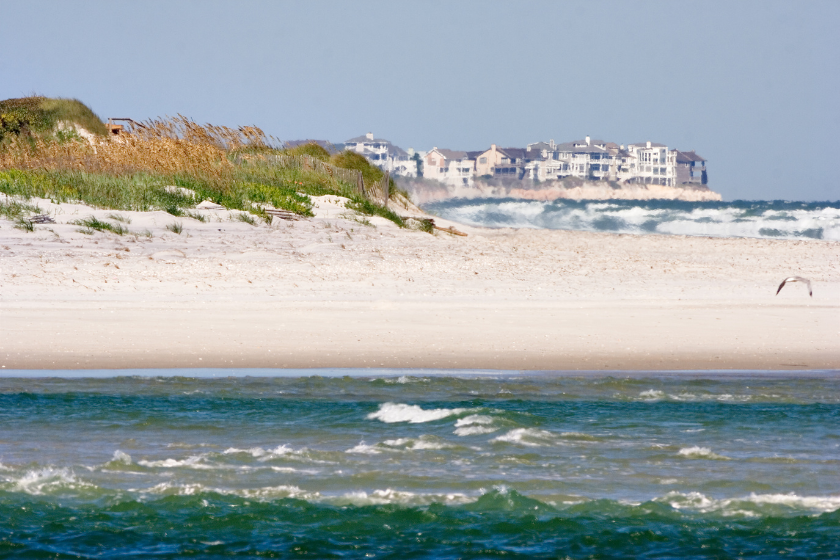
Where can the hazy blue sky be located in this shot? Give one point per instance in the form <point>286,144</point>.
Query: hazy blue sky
<point>753,86</point>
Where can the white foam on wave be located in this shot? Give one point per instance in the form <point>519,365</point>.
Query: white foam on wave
<point>474,430</point>
<point>193,462</point>
<point>182,445</point>
<point>652,394</point>
<point>48,480</point>
<point>268,492</point>
<point>473,419</point>
<point>391,496</point>
<point>761,220</point>
<point>417,444</point>
<point>405,379</point>
<point>121,457</point>
<point>696,452</point>
<point>396,412</point>
<point>529,437</point>
<point>364,449</point>
<point>751,505</point>
<point>255,452</point>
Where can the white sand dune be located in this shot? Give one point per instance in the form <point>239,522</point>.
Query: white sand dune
<point>334,292</point>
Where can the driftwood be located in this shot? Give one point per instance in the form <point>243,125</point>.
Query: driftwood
<point>283,214</point>
<point>431,222</point>
<point>41,219</point>
<point>451,230</point>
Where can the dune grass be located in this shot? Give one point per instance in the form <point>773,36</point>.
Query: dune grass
<point>136,172</point>
<point>13,209</point>
<point>92,224</point>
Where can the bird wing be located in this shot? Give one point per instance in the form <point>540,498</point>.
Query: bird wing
<point>782,285</point>
<point>804,281</point>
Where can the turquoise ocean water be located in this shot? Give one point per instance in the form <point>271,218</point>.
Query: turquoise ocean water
<point>453,464</point>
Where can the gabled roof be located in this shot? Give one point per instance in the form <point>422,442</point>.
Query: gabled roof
<point>452,155</point>
<point>576,148</point>
<point>644,145</point>
<point>513,153</point>
<point>474,155</point>
<point>364,138</point>
<point>592,142</point>
<point>688,157</point>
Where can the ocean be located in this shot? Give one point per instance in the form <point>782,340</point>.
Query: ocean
<point>418,464</point>
<point>761,219</point>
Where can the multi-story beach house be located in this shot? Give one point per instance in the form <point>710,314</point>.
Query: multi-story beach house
<point>501,163</point>
<point>588,159</point>
<point>691,168</point>
<point>655,164</point>
<point>453,167</point>
<point>383,154</point>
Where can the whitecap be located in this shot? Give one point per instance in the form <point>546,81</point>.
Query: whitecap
<point>48,479</point>
<point>417,444</point>
<point>269,492</point>
<point>697,452</point>
<point>652,394</point>
<point>255,452</point>
<point>530,437</point>
<point>403,379</point>
<point>193,462</point>
<point>413,414</point>
<point>747,505</point>
<point>473,419</point>
<point>474,430</point>
<point>121,457</point>
<point>364,449</point>
<point>401,497</point>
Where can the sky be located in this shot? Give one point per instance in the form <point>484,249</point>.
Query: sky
<point>752,86</point>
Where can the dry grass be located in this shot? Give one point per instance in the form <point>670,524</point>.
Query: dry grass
<point>176,145</point>
<point>130,172</point>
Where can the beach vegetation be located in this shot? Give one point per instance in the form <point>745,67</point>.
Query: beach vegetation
<point>195,216</point>
<point>36,116</point>
<point>119,218</point>
<point>92,224</point>
<point>244,217</point>
<point>24,224</point>
<point>175,227</point>
<point>12,209</point>
<point>137,170</point>
<point>310,149</point>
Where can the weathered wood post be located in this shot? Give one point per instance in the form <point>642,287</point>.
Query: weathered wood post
<point>360,183</point>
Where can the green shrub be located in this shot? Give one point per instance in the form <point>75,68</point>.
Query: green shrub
<point>37,115</point>
<point>311,149</point>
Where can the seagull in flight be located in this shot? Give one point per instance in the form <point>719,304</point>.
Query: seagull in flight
<point>796,279</point>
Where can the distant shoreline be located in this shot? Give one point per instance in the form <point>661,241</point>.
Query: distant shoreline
<point>424,191</point>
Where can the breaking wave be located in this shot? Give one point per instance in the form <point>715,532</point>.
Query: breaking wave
<point>395,412</point>
<point>762,219</point>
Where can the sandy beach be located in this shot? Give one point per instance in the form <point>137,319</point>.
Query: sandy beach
<point>332,291</point>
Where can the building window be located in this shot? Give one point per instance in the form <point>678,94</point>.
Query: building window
<point>482,160</point>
